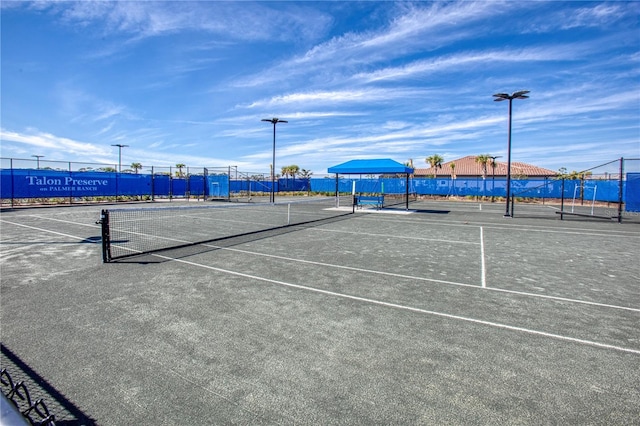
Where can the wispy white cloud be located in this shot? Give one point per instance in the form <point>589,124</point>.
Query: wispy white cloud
<point>592,15</point>
<point>468,59</point>
<point>234,20</point>
<point>81,105</point>
<point>416,27</point>
<point>62,148</point>
<point>337,97</point>
<point>39,139</point>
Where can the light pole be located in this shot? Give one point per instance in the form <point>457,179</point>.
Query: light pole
<point>504,97</point>
<point>275,121</point>
<point>120,146</point>
<point>493,174</point>
<point>38,157</point>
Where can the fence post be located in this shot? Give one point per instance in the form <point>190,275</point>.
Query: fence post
<point>153,183</point>
<point>117,181</point>
<point>562,199</point>
<point>71,186</point>
<point>620,185</point>
<point>12,181</point>
<point>205,174</point>
<point>406,192</point>
<point>187,188</point>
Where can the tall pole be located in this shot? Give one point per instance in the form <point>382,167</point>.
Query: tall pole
<point>274,120</point>
<point>273,166</point>
<point>493,175</point>
<point>506,213</point>
<point>120,146</point>
<point>38,157</point>
<point>504,97</point>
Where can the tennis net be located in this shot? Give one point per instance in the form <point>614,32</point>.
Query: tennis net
<point>132,231</point>
<point>399,199</point>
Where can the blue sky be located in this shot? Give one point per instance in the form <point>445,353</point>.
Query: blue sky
<point>188,82</point>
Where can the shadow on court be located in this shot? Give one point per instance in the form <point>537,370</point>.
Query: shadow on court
<point>34,395</point>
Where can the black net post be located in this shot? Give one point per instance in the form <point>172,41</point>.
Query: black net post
<point>106,238</point>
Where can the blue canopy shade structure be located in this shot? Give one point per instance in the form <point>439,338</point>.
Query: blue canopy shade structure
<point>372,167</point>
<point>383,166</point>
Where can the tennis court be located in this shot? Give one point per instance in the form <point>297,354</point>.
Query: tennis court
<point>446,314</point>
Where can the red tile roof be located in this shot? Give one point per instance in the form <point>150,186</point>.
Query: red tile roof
<point>467,166</point>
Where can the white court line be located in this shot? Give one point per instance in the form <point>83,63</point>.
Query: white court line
<point>391,274</point>
<point>331,265</point>
<point>411,277</point>
<point>482,263</point>
<point>626,233</point>
<point>408,308</point>
<point>94,225</point>
<point>392,305</point>
<point>416,278</point>
<point>396,236</point>
<point>44,230</point>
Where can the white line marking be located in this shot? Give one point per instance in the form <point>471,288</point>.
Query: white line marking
<point>412,277</point>
<point>520,293</point>
<point>44,230</point>
<point>399,237</point>
<point>331,265</point>
<point>409,308</point>
<point>483,268</point>
<point>68,221</point>
<point>627,233</point>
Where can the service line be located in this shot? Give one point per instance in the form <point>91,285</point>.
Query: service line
<point>408,308</point>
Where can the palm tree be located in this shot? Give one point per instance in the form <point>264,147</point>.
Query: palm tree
<point>483,159</point>
<point>435,161</point>
<point>453,170</point>
<point>493,165</point>
<point>180,166</point>
<point>293,171</point>
<point>136,167</point>
<point>285,171</point>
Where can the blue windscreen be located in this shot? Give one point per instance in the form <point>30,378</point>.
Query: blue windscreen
<point>633,192</point>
